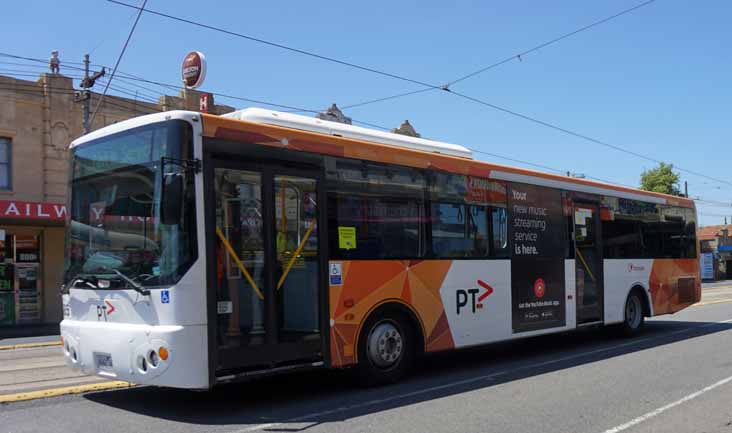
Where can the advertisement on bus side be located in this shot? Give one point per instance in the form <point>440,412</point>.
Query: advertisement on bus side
<point>536,230</point>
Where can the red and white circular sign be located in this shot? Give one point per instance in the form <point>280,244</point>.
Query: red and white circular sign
<point>193,69</point>
<point>539,288</point>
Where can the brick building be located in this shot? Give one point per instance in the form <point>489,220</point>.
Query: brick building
<point>38,120</point>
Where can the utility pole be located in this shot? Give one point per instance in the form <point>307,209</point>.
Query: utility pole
<point>686,189</point>
<point>85,95</point>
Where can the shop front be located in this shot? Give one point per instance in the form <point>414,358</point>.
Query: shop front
<point>31,263</point>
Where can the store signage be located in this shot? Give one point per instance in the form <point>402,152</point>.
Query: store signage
<point>707,266</point>
<point>32,210</point>
<point>193,69</point>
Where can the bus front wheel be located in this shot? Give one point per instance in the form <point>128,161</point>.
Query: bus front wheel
<point>386,349</point>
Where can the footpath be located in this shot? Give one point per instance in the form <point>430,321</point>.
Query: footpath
<point>33,367</point>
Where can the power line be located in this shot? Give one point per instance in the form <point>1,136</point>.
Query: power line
<point>550,42</point>
<point>581,136</point>
<point>714,215</point>
<point>387,98</point>
<point>119,59</point>
<point>119,103</point>
<point>134,93</point>
<point>713,203</point>
<point>517,56</point>
<point>511,112</point>
<point>445,87</point>
<point>142,108</point>
<point>505,110</point>
<point>64,63</point>
<point>125,76</point>
<point>276,45</point>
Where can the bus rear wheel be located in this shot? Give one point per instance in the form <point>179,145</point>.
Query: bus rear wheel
<point>386,349</point>
<point>634,319</point>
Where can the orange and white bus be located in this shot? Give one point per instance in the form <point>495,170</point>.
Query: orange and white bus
<point>204,249</point>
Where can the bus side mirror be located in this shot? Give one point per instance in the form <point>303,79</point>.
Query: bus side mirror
<point>171,198</point>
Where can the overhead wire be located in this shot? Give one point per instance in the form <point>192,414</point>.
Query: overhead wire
<point>446,87</point>
<point>274,44</point>
<point>144,109</point>
<point>518,56</point>
<point>583,136</point>
<point>119,59</point>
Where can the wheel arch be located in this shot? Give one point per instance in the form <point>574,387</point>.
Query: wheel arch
<point>394,306</point>
<point>645,298</point>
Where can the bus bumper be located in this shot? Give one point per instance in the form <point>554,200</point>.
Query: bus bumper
<point>137,353</point>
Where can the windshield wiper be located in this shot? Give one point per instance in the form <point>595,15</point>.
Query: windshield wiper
<point>131,283</point>
<point>92,282</point>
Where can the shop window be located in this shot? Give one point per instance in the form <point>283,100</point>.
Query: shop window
<point>27,249</point>
<point>5,160</point>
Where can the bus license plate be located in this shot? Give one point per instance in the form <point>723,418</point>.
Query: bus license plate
<point>103,361</point>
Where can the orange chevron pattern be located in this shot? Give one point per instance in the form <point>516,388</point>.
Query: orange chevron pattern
<point>664,283</point>
<point>366,284</point>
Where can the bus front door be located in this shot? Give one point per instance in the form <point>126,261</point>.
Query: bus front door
<point>267,273</point>
<point>588,263</point>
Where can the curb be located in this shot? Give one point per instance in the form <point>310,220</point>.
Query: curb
<point>30,345</point>
<point>55,392</point>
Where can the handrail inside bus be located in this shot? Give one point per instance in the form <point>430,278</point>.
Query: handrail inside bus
<point>295,254</point>
<point>584,263</point>
<point>238,262</point>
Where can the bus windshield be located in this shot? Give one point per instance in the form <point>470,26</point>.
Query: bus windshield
<point>115,227</point>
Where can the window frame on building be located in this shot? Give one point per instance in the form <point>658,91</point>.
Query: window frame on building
<point>8,142</point>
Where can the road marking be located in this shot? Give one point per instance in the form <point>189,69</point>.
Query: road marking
<point>716,288</point>
<point>30,345</point>
<point>663,409</point>
<point>721,301</point>
<point>55,392</point>
<point>468,381</point>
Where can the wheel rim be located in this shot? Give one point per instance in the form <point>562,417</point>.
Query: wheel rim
<point>633,312</point>
<point>385,345</point>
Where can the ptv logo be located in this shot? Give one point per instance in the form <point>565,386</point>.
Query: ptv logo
<point>465,297</point>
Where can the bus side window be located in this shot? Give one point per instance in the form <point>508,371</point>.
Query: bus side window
<point>375,211</point>
<point>459,231</point>
<point>499,222</point>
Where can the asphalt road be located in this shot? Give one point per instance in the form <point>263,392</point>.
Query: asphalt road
<point>676,377</point>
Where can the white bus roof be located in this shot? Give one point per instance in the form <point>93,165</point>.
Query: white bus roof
<point>295,121</point>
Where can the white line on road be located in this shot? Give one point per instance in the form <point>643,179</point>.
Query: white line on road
<point>663,409</point>
<point>473,380</point>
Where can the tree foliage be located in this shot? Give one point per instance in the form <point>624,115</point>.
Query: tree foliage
<point>661,179</point>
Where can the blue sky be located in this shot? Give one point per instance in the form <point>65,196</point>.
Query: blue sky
<point>655,80</point>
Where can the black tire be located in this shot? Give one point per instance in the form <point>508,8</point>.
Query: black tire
<point>386,349</point>
<point>633,315</point>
